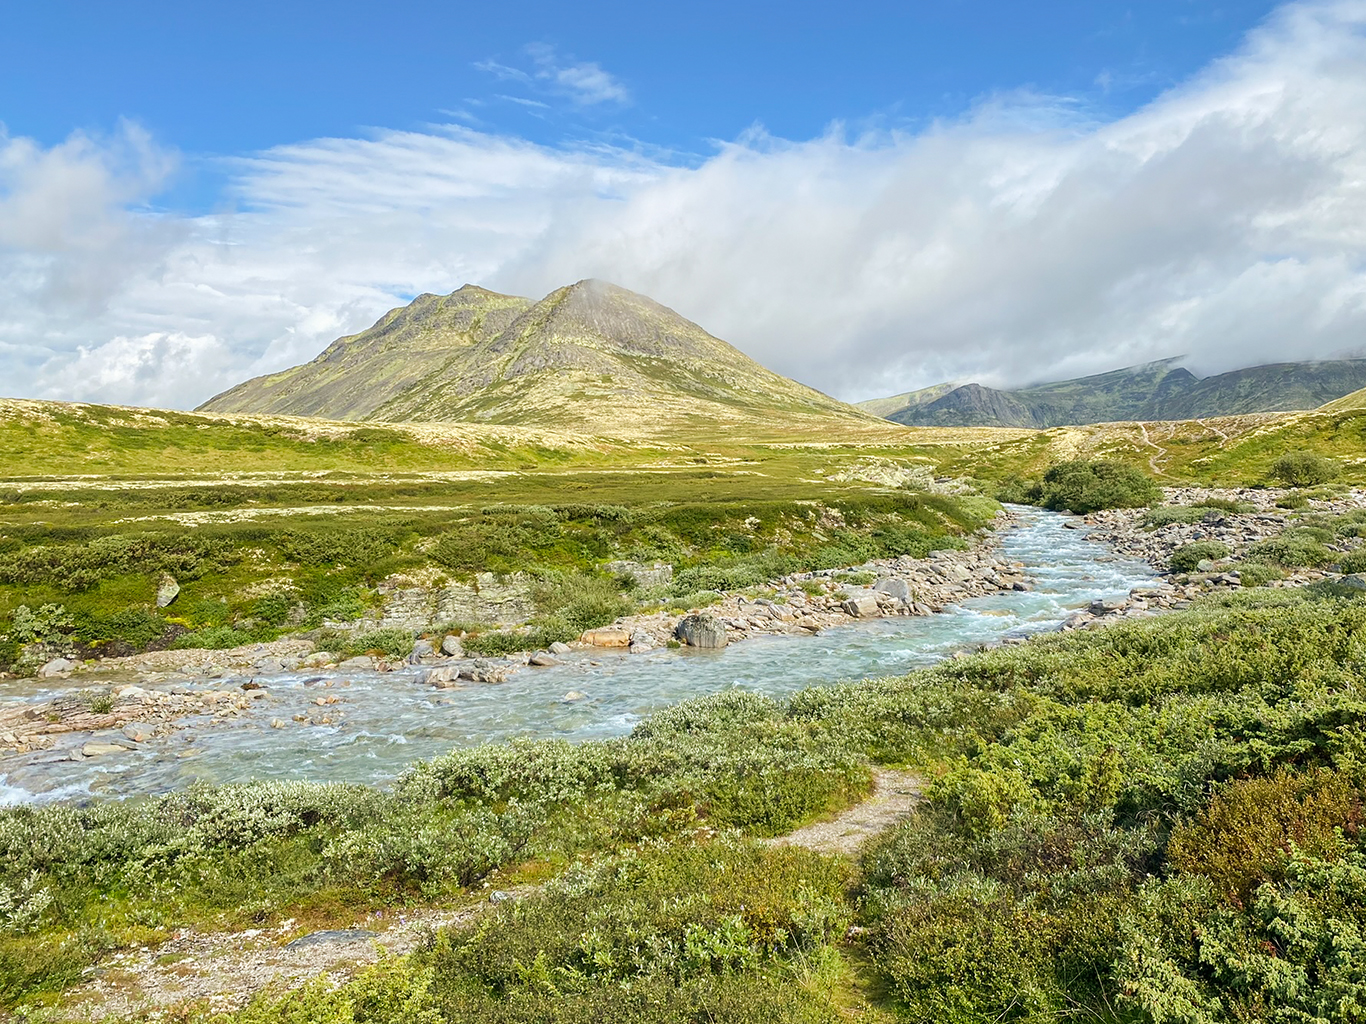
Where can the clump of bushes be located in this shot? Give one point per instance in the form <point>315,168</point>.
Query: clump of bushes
<point>1295,548</point>
<point>1083,486</point>
<point>1353,561</point>
<point>1189,556</point>
<point>1304,469</point>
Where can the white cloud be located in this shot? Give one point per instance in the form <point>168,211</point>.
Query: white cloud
<point>584,83</point>
<point>1227,220</point>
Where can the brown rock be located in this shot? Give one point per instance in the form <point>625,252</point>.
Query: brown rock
<point>607,636</point>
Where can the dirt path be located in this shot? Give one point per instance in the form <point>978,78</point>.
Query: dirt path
<point>224,969</point>
<point>895,795</point>
<point>1152,459</point>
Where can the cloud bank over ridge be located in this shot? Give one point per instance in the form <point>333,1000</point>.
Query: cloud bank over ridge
<point>1021,242</point>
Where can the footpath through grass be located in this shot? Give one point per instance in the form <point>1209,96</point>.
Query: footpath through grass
<point>1160,821</point>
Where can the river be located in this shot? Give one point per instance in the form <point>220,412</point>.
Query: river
<point>385,721</point>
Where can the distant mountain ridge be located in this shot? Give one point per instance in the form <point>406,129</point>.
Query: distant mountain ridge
<point>1158,390</point>
<point>590,357</point>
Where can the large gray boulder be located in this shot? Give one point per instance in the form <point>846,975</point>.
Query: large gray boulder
<point>701,630</point>
<point>895,587</point>
<point>861,606</point>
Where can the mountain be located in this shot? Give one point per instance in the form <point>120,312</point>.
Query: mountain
<point>896,403</point>
<point>1152,391</point>
<point>590,357</point>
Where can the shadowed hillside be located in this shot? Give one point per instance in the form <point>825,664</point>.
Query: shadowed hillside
<point>1153,391</point>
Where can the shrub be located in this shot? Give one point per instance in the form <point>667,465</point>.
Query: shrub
<point>395,643</point>
<point>1353,561</point>
<point>1256,574</point>
<point>1293,549</point>
<point>1303,469</point>
<point>1083,486</point>
<point>1188,557</point>
<point>1253,827</point>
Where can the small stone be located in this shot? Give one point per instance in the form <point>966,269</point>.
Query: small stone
<point>560,648</point>
<point>361,663</point>
<point>269,666</point>
<point>501,896</point>
<point>167,591</point>
<point>452,647</point>
<point>572,696</point>
<point>542,660</point>
<point>138,732</point>
<point>277,723</point>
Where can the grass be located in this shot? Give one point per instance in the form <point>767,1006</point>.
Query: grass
<point>248,574</point>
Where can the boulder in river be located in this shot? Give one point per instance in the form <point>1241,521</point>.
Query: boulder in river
<point>95,748</point>
<point>138,732</point>
<point>56,667</point>
<point>607,636</point>
<point>701,630</point>
<point>360,663</point>
<point>452,646</point>
<point>543,659</point>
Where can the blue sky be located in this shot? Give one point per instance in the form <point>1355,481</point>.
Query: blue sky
<point>868,197</point>
<point>218,79</point>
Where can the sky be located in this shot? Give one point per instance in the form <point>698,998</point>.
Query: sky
<point>867,197</point>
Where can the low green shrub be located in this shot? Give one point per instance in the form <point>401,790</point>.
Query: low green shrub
<point>1293,549</point>
<point>1256,574</point>
<point>1188,556</point>
<point>1303,469</point>
<point>697,599</point>
<point>1353,561</point>
<point>1252,829</point>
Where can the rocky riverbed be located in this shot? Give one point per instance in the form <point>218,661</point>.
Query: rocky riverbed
<point>1261,519</point>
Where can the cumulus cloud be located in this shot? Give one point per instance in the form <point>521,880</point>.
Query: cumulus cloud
<point>1023,241</point>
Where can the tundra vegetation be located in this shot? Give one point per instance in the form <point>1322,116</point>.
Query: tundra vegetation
<point>79,568</point>
<point>1159,821</point>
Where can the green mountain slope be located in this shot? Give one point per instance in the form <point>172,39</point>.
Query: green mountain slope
<point>1152,391</point>
<point>355,375</point>
<point>590,357</point>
